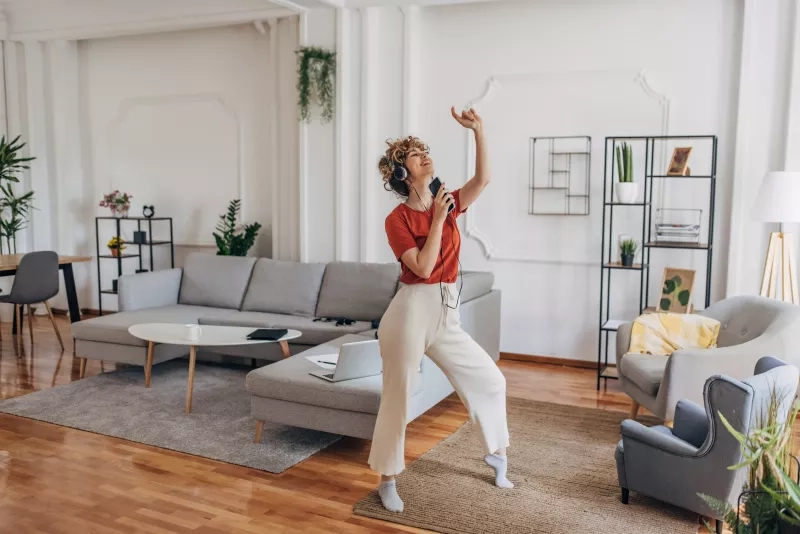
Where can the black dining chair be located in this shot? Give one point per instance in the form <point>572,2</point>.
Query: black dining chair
<point>36,281</point>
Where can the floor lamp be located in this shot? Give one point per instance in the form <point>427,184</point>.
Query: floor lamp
<point>778,201</point>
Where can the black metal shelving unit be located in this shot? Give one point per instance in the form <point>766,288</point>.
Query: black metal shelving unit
<point>560,154</point>
<point>150,243</point>
<point>607,324</point>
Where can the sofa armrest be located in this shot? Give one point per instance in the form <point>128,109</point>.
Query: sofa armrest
<point>623,340</point>
<point>632,430</point>
<point>691,423</point>
<point>687,370</point>
<point>149,290</point>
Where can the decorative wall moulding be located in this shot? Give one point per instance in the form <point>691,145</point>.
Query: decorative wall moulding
<point>128,105</point>
<point>494,86</point>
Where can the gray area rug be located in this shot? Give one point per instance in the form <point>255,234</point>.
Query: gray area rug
<point>561,460</point>
<point>220,427</point>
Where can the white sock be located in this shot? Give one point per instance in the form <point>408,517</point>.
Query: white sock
<point>389,497</point>
<point>500,466</point>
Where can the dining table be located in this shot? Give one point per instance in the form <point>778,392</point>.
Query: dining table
<point>10,262</point>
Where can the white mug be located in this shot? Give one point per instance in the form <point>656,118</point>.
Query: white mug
<point>193,331</point>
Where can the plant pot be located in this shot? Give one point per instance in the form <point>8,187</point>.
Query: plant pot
<point>627,260</point>
<point>115,252</point>
<point>784,527</point>
<point>626,192</point>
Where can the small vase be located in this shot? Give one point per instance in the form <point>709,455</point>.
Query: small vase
<point>115,252</point>
<point>626,192</point>
<point>627,260</point>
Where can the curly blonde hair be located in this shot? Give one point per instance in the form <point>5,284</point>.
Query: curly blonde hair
<point>396,155</point>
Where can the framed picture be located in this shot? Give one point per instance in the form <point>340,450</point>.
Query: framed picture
<point>676,290</point>
<point>678,165</point>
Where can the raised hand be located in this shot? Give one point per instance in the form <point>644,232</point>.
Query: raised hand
<point>468,119</point>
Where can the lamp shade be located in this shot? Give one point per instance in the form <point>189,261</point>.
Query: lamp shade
<point>779,198</point>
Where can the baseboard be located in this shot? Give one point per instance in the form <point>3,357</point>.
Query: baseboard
<point>91,312</point>
<point>550,360</point>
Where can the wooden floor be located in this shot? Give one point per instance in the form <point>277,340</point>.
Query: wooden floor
<point>58,480</point>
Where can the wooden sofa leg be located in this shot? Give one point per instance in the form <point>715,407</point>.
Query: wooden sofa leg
<point>634,410</point>
<point>83,368</point>
<point>259,430</point>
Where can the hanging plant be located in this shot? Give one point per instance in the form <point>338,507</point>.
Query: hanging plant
<point>316,71</point>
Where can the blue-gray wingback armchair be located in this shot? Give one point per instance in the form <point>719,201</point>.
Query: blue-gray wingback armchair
<point>677,464</point>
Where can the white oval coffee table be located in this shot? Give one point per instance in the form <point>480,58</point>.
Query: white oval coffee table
<point>209,336</point>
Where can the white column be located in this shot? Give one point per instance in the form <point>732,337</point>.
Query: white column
<point>344,135</point>
<point>303,159</point>
<point>369,64</point>
<point>761,134</point>
<point>411,67</point>
<point>792,157</point>
<point>42,225</point>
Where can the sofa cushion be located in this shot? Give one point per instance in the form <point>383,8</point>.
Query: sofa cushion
<point>289,380</point>
<point>360,291</point>
<point>475,284</point>
<point>644,370</point>
<point>288,287</point>
<point>218,281</point>
<point>313,332</point>
<point>114,328</point>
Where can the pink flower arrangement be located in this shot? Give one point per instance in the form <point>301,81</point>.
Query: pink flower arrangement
<point>118,202</point>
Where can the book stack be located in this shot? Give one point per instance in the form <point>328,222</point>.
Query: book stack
<point>678,226</point>
<point>678,233</point>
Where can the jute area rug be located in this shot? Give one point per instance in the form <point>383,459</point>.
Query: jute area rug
<point>562,463</point>
<point>219,427</point>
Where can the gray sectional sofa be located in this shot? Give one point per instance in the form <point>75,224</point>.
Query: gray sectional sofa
<point>262,292</point>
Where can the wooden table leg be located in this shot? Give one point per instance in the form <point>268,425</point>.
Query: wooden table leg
<point>259,431</point>
<point>285,349</point>
<point>192,359</point>
<point>148,368</point>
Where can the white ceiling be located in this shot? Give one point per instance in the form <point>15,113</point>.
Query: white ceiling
<point>87,19</point>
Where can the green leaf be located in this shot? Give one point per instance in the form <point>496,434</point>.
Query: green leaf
<point>664,304</point>
<point>683,297</point>
<point>669,287</point>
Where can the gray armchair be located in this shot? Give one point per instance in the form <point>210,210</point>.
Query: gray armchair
<point>675,465</point>
<point>752,327</point>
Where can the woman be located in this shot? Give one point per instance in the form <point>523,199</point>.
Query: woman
<point>423,317</point>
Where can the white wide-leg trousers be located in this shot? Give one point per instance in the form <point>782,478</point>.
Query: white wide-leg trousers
<point>417,323</point>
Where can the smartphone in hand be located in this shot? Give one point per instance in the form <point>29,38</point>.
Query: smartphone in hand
<point>434,187</point>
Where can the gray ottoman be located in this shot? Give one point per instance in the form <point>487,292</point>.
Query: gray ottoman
<point>284,392</point>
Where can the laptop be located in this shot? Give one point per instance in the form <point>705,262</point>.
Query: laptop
<point>356,360</point>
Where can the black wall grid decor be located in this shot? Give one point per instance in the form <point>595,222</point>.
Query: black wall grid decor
<point>563,188</point>
<point>149,242</point>
<point>607,323</point>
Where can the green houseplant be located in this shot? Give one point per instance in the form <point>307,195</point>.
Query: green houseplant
<point>625,189</point>
<point>766,452</point>
<point>315,77</point>
<point>14,210</point>
<point>229,241</point>
<point>627,251</point>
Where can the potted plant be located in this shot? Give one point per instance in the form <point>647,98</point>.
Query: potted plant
<point>116,245</point>
<point>229,242</point>
<point>14,209</point>
<point>627,251</point>
<point>119,203</point>
<point>626,190</point>
<point>768,504</point>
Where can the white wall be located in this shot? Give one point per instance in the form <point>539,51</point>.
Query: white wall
<point>562,68</point>
<point>185,121</point>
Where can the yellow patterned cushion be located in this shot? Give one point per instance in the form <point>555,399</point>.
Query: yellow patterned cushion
<point>664,333</point>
